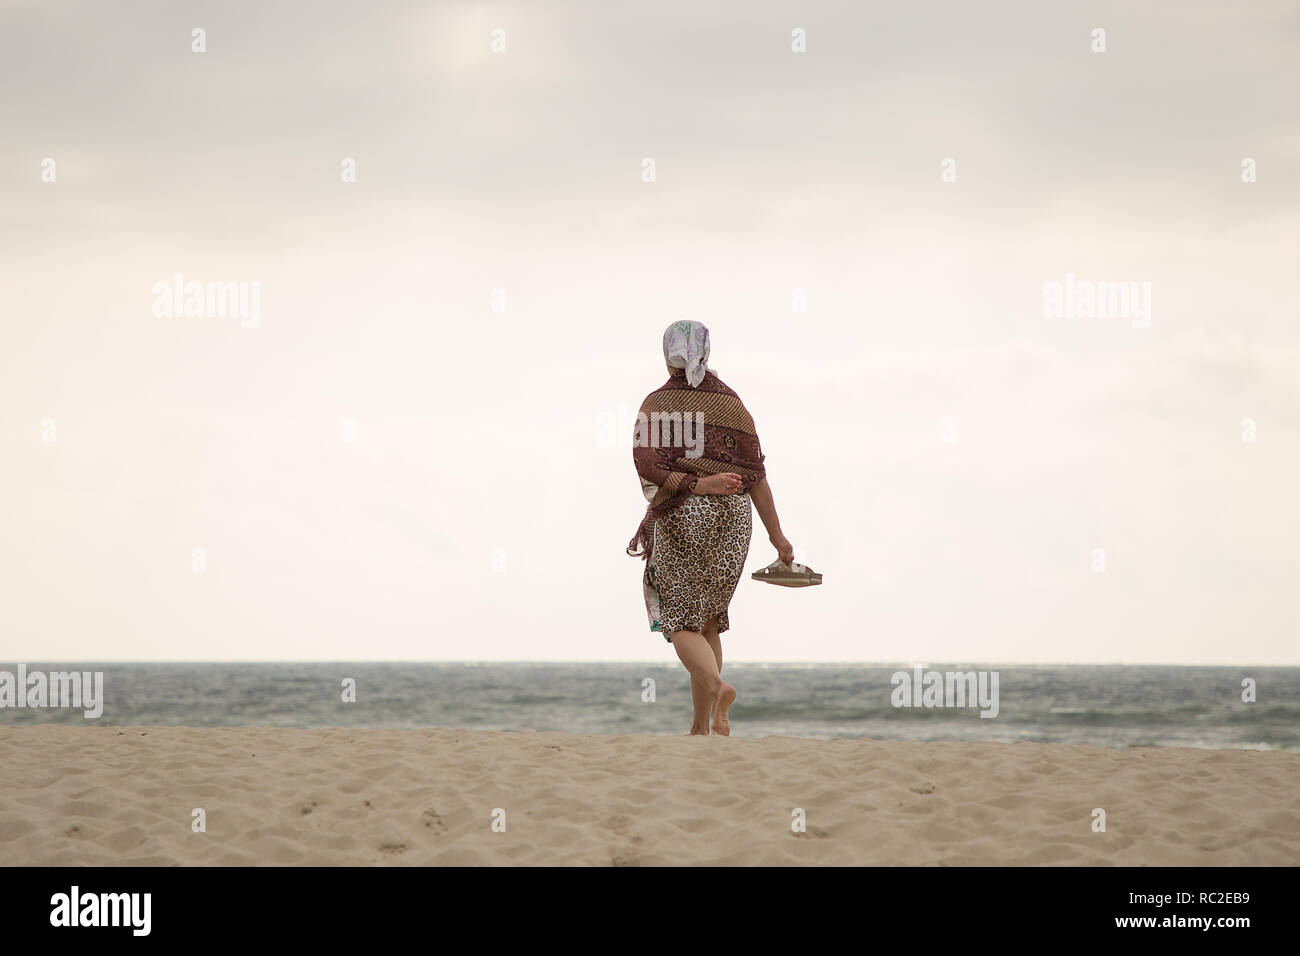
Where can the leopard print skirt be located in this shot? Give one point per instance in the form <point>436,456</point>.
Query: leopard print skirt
<point>698,555</point>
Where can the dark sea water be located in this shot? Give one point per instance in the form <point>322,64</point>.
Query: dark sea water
<point>1111,706</point>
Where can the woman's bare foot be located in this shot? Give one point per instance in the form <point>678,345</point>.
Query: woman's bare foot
<point>721,706</point>
<point>697,731</point>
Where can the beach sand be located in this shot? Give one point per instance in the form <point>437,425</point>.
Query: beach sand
<point>114,795</point>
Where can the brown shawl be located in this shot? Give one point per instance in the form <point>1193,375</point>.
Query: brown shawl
<point>666,441</point>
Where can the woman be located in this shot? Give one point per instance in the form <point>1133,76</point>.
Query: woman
<point>700,463</point>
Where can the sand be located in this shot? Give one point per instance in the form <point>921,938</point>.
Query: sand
<point>111,795</point>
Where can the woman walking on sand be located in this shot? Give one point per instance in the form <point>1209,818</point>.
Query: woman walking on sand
<point>700,463</point>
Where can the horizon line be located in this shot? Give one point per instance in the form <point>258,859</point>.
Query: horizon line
<point>664,663</point>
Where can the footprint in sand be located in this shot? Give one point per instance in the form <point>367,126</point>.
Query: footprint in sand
<point>430,818</point>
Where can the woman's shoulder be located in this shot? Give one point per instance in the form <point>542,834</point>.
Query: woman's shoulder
<point>711,378</point>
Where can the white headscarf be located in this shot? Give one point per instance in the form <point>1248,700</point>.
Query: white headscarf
<point>686,345</point>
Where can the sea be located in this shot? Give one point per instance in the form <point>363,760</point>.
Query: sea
<point>1108,706</point>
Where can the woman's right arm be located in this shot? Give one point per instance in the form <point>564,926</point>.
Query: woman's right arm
<point>765,505</point>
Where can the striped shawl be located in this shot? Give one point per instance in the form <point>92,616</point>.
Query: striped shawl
<point>671,454</point>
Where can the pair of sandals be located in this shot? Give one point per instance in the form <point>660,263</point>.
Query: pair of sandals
<point>793,575</point>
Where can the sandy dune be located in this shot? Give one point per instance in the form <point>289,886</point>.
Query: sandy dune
<point>101,795</point>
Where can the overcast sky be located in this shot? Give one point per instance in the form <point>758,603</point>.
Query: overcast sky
<point>948,455</point>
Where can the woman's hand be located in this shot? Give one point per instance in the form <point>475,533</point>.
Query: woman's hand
<point>784,549</point>
<point>727,483</point>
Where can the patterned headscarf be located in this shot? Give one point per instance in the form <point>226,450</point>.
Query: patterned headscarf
<point>686,346</point>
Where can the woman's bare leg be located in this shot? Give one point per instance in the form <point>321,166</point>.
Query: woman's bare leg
<point>726,693</point>
<point>711,688</point>
<point>706,683</point>
<point>710,633</point>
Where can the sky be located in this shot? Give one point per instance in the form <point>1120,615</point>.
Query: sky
<point>418,447</point>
